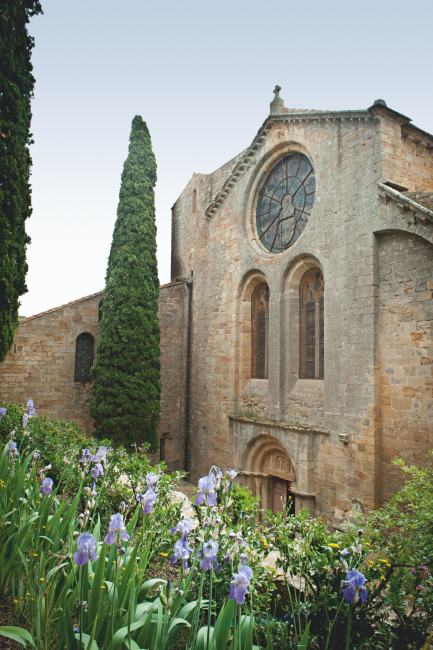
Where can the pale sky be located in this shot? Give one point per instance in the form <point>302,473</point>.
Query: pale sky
<point>201,75</point>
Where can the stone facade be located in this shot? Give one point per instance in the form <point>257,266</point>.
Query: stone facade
<point>370,238</point>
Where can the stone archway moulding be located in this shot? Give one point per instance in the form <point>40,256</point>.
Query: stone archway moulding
<point>259,458</point>
<point>264,458</point>
<point>289,284</point>
<point>265,164</point>
<point>80,329</point>
<point>242,299</point>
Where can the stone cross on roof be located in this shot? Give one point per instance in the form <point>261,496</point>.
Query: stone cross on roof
<point>277,103</point>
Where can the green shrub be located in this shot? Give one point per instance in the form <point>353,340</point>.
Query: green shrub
<point>243,502</point>
<point>61,444</point>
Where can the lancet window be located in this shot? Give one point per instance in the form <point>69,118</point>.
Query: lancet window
<point>312,350</point>
<point>84,346</point>
<point>259,331</point>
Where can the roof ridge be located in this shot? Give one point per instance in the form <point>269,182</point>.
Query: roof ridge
<point>74,302</point>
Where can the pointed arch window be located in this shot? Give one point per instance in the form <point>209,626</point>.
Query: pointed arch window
<point>312,351</point>
<point>259,331</point>
<point>84,347</point>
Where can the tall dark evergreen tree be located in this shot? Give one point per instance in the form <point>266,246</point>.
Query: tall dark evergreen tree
<point>126,375</point>
<point>16,91</point>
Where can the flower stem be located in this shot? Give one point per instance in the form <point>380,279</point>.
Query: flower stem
<point>332,625</point>
<point>349,621</point>
<point>210,606</point>
<point>81,605</point>
<point>194,628</point>
<point>114,591</point>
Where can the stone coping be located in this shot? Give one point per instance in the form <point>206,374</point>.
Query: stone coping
<point>246,156</point>
<point>406,201</point>
<point>299,428</point>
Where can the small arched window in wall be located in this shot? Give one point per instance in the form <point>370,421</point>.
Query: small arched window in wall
<point>311,310</point>
<point>259,331</point>
<point>194,200</point>
<point>100,311</point>
<point>83,357</point>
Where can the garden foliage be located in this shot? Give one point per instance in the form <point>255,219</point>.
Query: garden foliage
<point>79,580</point>
<point>16,92</point>
<point>126,375</point>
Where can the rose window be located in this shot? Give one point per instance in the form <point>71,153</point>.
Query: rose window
<point>285,202</point>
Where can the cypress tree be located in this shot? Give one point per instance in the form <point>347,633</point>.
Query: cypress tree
<point>126,375</point>
<point>16,91</point>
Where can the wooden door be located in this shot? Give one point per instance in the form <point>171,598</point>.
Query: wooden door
<point>279,495</point>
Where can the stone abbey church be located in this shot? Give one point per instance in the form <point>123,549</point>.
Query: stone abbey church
<point>296,333</point>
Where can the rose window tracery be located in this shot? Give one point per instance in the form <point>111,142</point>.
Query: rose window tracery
<point>285,203</point>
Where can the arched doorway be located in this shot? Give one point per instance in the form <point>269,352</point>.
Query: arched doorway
<point>270,473</point>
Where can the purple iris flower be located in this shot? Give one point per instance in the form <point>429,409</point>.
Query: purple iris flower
<point>3,412</point>
<point>30,408</point>
<point>181,551</point>
<point>25,419</point>
<point>87,456</point>
<point>122,507</point>
<point>86,549</point>
<point>240,583</point>
<point>344,553</point>
<point>217,476</point>
<point>185,525</point>
<point>232,475</point>
<point>98,470</point>
<point>147,500</point>
<point>116,528</point>
<point>46,487</point>
<point>12,449</point>
<point>206,491</point>
<point>209,550</point>
<point>354,583</point>
<point>36,455</point>
<point>151,480</point>
<point>101,454</point>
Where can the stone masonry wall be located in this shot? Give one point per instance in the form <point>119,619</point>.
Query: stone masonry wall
<point>173,320</point>
<point>407,152</point>
<point>406,352</point>
<point>41,364</point>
